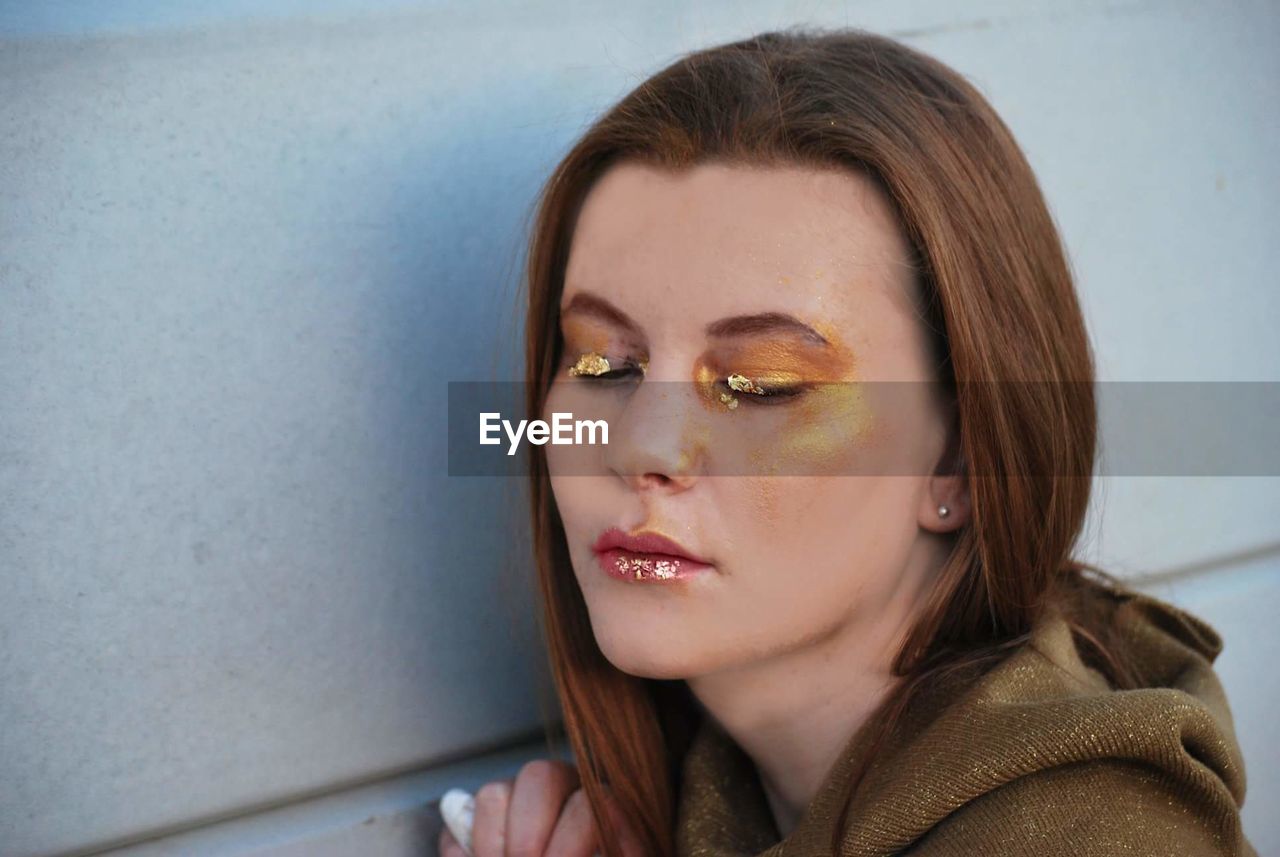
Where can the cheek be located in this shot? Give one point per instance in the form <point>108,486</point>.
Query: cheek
<point>783,529</point>
<point>830,432</point>
<point>830,536</point>
<point>577,498</point>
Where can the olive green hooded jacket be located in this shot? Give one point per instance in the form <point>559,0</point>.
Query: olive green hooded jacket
<point>1037,756</point>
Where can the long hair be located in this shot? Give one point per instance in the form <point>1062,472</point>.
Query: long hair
<point>998,300</point>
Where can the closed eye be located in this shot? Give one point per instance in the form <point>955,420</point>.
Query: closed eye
<point>776,395</point>
<point>593,366</point>
<point>758,391</point>
<point>627,371</point>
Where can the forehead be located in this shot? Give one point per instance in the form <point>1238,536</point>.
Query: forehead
<point>687,247</point>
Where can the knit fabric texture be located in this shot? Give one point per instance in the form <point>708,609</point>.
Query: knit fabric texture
<point>1036,756</point>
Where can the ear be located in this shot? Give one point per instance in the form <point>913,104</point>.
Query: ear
<point>947,489</point>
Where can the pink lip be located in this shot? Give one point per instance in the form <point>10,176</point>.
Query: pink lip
<point>645,556</point>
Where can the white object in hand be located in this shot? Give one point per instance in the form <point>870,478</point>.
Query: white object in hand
<point>458,808</point>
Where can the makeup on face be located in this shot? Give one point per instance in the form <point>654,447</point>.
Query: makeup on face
<point>594,350</point>
<point>645,556</point>
<point>590,363</point>
<point>800,371</point>
<point>763,371</point>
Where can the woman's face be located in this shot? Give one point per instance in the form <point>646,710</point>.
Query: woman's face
<point>747,308</point>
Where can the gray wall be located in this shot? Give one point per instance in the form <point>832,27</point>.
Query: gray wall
<point>244,247</point>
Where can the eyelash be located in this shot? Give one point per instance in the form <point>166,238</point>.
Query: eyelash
<point>627,368</point>
<point>770,398</point>
<point>773,397</point>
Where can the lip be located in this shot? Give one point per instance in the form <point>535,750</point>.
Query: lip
<point>645,556</point>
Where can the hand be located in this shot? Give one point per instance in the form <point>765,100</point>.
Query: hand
<point>542,812</point>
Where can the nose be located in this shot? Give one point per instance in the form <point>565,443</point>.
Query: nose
<point>658,442</point>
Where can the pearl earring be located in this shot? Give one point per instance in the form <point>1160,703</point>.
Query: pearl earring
<point>943,511</point>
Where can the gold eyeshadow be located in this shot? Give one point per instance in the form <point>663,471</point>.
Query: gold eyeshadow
<point>584,333</point>
<point>823,426</point>
<point>831,422</point>
<point>815,430</point>
<point>784,362</point>
<point>759,370</point>
<point>592,348</point>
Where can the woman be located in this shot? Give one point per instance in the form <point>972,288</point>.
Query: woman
<point>815,595</point>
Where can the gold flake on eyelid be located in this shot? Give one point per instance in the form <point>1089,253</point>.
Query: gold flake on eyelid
<point>590,363</point>
<point>743,384</point>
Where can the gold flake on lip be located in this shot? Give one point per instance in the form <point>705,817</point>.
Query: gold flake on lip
<point>648,569</point>
<point>590,363</point>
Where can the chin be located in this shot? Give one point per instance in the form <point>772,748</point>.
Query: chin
<point>643,665</point>
<point>648,653</point>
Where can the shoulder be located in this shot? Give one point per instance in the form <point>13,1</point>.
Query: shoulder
<point>1100,806</point>
<point>1043,756</point>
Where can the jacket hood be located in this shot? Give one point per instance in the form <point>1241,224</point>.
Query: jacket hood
<point>1041,709</point>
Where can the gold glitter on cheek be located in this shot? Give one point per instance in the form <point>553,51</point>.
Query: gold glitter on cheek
<point>695,439</point>
<point>762,494</point>
<point>827,431</point>
<point>765,462</point>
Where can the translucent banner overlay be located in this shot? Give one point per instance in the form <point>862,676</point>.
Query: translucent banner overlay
<point>762,427</point>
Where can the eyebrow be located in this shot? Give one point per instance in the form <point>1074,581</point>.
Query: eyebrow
<point>757,324</point>
<point>585,303</point>
<point>765,322</point>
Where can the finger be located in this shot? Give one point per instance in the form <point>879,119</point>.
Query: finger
<point>489,829</point>
<point>575,833</point>
<point>541,788</point>
<point>448,846</point>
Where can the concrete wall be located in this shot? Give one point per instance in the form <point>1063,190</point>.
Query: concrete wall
<point>243,247</point>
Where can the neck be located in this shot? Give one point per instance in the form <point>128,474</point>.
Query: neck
<point>833,684</point>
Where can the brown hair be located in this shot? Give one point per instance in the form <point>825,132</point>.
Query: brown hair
<point>996,292</point>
